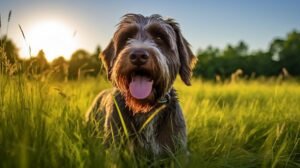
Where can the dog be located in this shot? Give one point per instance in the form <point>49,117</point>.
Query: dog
<point>142,61</point>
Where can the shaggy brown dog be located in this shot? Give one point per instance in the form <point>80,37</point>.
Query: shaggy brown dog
<point>142,61</point>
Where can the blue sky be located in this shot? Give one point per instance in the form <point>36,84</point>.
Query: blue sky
<point>203,23</point>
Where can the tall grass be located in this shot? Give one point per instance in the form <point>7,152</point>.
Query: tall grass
<point>244,124</point>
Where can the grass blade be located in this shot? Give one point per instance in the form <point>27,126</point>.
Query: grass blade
<point>8,20</point>
<point>20,27</point>
<point>74,33</point>
<point>9,16</point>
<point>24,37</point>
<point>121,118</point>
<point>150,118</point>
<point>29,47</point>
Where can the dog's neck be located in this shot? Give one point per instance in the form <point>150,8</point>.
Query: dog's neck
<point>136,107</point>
<point>164,99</point>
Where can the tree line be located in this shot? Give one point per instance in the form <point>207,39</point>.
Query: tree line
<point>81,64</point>
<point>281,57</point>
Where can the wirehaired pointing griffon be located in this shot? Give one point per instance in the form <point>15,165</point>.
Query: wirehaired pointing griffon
<point>142,61</point>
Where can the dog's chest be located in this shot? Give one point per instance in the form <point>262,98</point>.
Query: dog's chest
<point>148,130</point>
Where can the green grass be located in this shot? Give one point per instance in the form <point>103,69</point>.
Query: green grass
<point>242,124</point>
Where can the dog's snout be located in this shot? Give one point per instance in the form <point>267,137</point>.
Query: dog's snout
<point>139,57</point>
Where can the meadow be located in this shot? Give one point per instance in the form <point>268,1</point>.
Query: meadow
<point>240,124</point>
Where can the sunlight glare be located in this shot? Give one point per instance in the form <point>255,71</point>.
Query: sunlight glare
<point>54,38</point>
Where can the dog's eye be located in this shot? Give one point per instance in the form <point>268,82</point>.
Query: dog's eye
<point>124,39</point>
<point>158,38</point>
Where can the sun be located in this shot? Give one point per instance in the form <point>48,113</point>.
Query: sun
<point>53,37</point>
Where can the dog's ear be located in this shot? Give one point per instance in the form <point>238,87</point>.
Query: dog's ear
<point>187,58</point>
<point>107,56</point>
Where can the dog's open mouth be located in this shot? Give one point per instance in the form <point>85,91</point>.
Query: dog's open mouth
<point>141,84</point>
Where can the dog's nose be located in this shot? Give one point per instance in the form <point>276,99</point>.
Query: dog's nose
<point>139,57</point>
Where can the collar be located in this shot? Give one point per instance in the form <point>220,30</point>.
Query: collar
<point>164,99</point>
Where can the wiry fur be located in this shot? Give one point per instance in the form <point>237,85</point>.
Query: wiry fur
<point>169,55</point>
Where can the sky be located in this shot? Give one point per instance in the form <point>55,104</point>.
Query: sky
<point>89,23</point>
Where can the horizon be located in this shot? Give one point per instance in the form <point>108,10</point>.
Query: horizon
<point>92,23</point>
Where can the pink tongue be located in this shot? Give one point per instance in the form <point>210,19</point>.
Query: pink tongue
<point>140,87</point>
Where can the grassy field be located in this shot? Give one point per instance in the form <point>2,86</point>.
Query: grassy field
<point>242,124</point>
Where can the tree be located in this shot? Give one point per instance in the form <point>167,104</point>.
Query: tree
<point>205,66</point>
<point>289,53</point>
<point>260,63</point>
<point>95,62</point>
<point>83,64</point>
<point>9,49</point>
<point>242,48</point>
<point>59,67</point>
<point>9,58</point>
<point>78,64</point>
<point>38,65</point>
<point>275,48</point>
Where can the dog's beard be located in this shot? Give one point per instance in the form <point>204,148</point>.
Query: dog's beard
<point>122,77</point>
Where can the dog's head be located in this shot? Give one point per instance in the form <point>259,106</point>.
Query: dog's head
<point>144,57</point>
